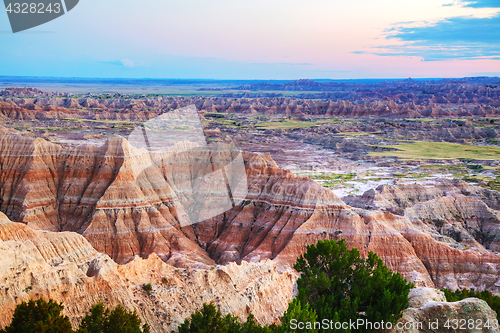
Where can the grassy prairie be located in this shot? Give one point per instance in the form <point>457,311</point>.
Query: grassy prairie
<point>101,121</point>
<point>286,124</point>
<point>440,151</point>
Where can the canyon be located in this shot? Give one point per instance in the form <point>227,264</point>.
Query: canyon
<point>85,211</point>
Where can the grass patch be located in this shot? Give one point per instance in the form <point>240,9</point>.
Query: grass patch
<point>289,124</point>
<point>331,184</point>
<point>442,167</point>
<point>476,178</point>
<point>494,184</point>
<point>439,151</point>
<point>415,175</point>
<point>333,176</point>
<point>487,182</point>
<point>286,124</point>
<point>333,179</point>
<point>493,141</point>
<point>100,121</point>
<point>352,134</point>
<point>475,167</point>
<point>421,120</point>
<point>229,123</point>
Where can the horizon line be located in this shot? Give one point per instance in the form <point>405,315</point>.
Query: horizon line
<point>212,79</point>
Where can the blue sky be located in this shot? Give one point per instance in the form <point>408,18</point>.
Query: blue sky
<point>257,39</point>
<point>463,37</point>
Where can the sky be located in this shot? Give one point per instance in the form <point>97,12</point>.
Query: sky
<point>260,39</point>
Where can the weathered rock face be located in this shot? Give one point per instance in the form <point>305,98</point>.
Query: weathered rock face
<point>92,190</point>
<point>453,214</point>
<point>64,266</point>
<point>461,214</point>
<point>10,111</point>
<point>429,312</point>
<point>285,213</point>
<point>99,192</point>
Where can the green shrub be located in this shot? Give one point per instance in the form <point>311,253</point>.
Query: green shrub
<point>210,320</point>
<point>118,320</point>
<point>39,316</point>
<point>458,295</point>
<point>252,326</point>
<point>147,287</point>
<point>339,285</point>
<point>300,314</point>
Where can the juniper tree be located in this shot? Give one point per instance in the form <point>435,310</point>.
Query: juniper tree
<point>339,285</point>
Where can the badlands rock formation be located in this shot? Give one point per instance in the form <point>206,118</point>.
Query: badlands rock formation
<point>92,190</point>
<point>28,92</point>
<point>97,192</point>
<point>363,136</point>
<point>400,99</point>
<point>65,267</point>
<point>448,210</point>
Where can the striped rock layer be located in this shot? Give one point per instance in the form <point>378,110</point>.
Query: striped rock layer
<point>125,204</point>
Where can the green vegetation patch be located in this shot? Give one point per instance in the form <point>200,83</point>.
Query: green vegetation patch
<point>486,181</point>
<point>442,167</point>
<point>494,184</point>
<point>287,124</point>
<point>333,176</point>
<point>476,178</point>
<point>100,121</point>
<point>210,319</point>
<point>421,120</point>
<point>40,316</point>
<point>351,134</point>
<point>439,151</point>
<point>340,285</point>
<point>331,180</point>
<point>335,285</point>
<point>415,175</point>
